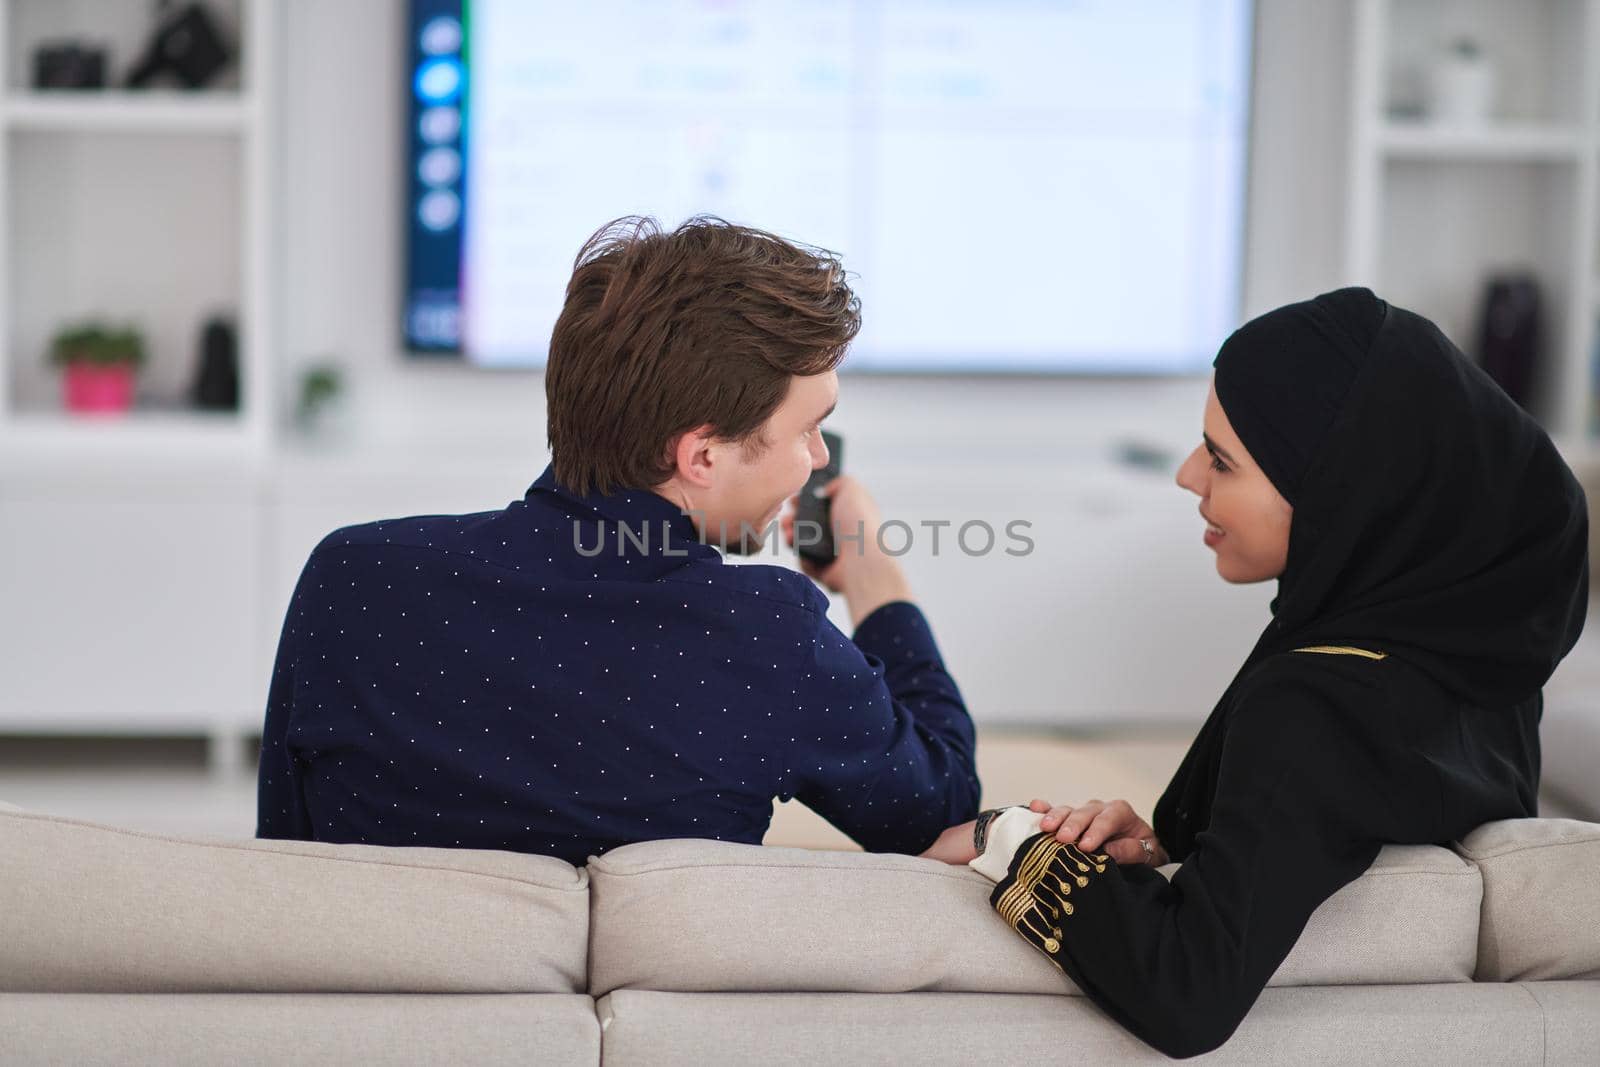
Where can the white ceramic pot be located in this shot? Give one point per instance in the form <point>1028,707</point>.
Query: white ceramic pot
<point>1462,89</point>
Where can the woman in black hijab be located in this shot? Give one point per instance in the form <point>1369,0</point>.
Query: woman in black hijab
<point>1430,548</point>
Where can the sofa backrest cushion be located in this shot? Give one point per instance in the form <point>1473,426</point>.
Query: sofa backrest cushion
<point>705,916</point>
<point>86,908</point>
<point>1541,899</point>
<point>1411,918</point>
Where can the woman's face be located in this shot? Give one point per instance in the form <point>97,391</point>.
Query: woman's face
<point>1247,521</point>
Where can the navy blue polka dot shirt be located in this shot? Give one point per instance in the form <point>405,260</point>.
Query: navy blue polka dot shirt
<point>573,673</point>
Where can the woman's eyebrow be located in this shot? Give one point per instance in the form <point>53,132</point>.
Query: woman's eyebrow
<point>825,414</point>
<point>1211,446</point>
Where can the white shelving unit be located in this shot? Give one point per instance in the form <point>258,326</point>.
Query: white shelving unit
<point>1435,209</point>
<point>149,207</point>
<point>130,582</point>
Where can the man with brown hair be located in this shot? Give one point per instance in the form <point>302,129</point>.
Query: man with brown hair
<point>582,669</point>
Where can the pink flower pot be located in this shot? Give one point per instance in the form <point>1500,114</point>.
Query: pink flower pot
<point>98,388</point>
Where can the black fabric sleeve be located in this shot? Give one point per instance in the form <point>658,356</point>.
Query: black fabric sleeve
<point>1180,964</point>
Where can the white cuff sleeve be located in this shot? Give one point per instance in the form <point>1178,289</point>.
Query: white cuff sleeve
<point>1006,834</point>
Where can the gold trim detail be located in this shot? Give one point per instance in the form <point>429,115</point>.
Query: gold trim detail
<point>1344,650</point>
<point>1045,873</point>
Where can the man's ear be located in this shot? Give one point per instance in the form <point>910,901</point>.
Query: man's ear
<point>693,456</point>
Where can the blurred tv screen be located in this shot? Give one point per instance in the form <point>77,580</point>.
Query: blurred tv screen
<point>1014,185</point>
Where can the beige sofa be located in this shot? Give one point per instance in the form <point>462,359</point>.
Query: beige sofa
<point>118,946</point>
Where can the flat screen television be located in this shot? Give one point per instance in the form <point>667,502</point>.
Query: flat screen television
<point>1035,186</point>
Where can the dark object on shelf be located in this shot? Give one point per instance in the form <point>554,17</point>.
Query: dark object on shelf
<point>187,46</point>
<point>1509,334</point>
<point>69,65</point>
<point>1146,456</point>
<point>216,383</point>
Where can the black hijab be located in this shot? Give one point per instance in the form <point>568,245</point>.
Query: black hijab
<point>1433,519</point>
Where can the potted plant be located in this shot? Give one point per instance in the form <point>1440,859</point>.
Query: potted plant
<point>320,407</point>
<point>98,364</point>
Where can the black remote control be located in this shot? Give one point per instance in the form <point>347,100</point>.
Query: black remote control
<point>813,530</point>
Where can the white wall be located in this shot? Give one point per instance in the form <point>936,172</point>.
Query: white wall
<point>1117,615</point>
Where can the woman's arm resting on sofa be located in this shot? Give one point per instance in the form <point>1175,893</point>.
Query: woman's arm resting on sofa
<point>1180,964</point>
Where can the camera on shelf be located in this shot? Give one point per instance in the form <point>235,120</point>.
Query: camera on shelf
<point>69,65</point>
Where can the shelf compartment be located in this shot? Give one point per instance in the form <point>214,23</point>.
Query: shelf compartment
<point>121,27</point>
<point>138,228</point>
<point>1536,47</point>
<point>1449,224</point>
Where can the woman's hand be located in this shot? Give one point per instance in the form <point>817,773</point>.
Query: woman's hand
<point>1113,828</point>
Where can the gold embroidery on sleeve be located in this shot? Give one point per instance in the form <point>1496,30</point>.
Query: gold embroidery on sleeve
<point>1045,878</point>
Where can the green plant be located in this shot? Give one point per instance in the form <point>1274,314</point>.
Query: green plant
<point>93,343</point>
<point>320,384</point>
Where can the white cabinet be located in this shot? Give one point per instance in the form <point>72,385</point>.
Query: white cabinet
<point>1111,612</point>
<point>131,544</point>
<point>131,605</point>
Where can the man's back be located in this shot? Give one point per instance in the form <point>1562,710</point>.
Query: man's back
<point>573,673</point>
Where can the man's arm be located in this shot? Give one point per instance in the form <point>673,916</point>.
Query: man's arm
<point>883,746</point>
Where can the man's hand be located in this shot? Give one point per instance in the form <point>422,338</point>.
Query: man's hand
<point>954,846</point>
<point>867,576</point>
<point>1095,826</point>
